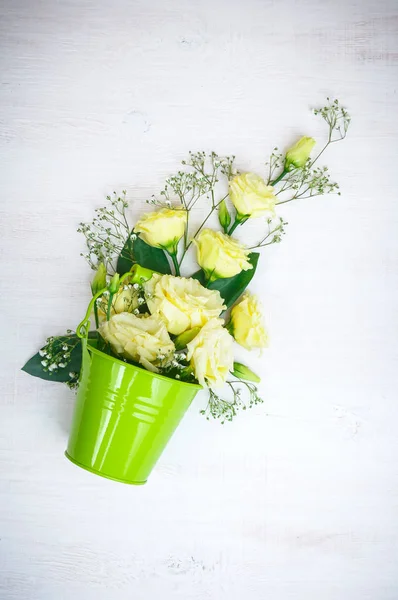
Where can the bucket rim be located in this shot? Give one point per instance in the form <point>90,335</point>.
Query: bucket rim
<point>91,347</point>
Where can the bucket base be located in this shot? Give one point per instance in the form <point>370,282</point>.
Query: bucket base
<point>103,474</point>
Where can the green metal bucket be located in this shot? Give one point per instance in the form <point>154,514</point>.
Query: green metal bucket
<point>124,417</point>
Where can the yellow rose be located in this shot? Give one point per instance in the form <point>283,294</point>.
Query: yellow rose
<point>163,228</point>
<point>299,153</point>
<point>219,255</point>
<point>211,354</point>
<point>125,300</point>
<point>182,303</point>
<point>251,196</point>
<point>246,324</point>
<point>141,339</point>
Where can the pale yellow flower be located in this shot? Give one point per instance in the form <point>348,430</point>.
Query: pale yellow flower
<point>141,339</point>
<point>251,196</point>
<point>211,354</point>
<point>182,303</point>
<point>219,255</point>
<point>246,324</point>
<point>163,228</point>
<point>299,153</point>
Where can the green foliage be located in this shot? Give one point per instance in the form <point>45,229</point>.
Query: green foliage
<point>59,360</point>
<point>231,288</point>
<point>136,250</point>
<point>126,257</point>
<point>149,257</point>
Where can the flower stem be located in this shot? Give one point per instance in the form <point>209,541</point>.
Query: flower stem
<point>83,327</point>
<point>96,315</point>
<point>239,220</point>
<point>173,256</point>
<point>108,312</point>
<point>281,176</point>
<point>235,224</point>
<point>201,227</point>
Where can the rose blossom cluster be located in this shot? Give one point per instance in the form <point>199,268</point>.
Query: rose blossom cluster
<point>181,311</point>
<point>185,327</point>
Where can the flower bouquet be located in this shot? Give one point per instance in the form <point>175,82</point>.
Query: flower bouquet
<point>160,336</point>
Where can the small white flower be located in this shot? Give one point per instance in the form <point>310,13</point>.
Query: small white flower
<point>133,237</point>
<point>65,355</point>
<point>44,363</point>
<point>42,353</point>
<point>71,374</point>
<point>125,288</point>
<point>136,311</point>
<point>161,357</point>
<point>64,347</point>
<point>175,363</point>
<point>62,365</point>
<point>141,300</point>
<point>178,376</point>
<point>136,286</point>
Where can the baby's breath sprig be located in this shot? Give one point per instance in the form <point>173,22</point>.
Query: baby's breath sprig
<point>226,410</point>
<point>208,166</point>
<point>73,382</point>
<point>274,235</point>
<point>338,120</point>
<point>56,353</point>
<point>107,234</point>
<point>187,187</point>
<point>207,169</point>
<point>310,181</point>
<point>274,164</point>
<point>183,188</point>
<point>176,366</point>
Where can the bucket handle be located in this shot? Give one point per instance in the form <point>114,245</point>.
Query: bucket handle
<point>83,328</point>
<point>137,274</point>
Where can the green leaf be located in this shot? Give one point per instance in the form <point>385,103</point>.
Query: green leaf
<point>35,368</point>
<point>150,258</point>
<point>140,252</point>
<point>232,287</point>
<point>126,258</point>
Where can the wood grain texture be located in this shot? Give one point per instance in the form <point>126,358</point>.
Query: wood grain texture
<point>297,500</point>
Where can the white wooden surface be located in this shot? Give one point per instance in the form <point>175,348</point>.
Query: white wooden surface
<point>296,500</point>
